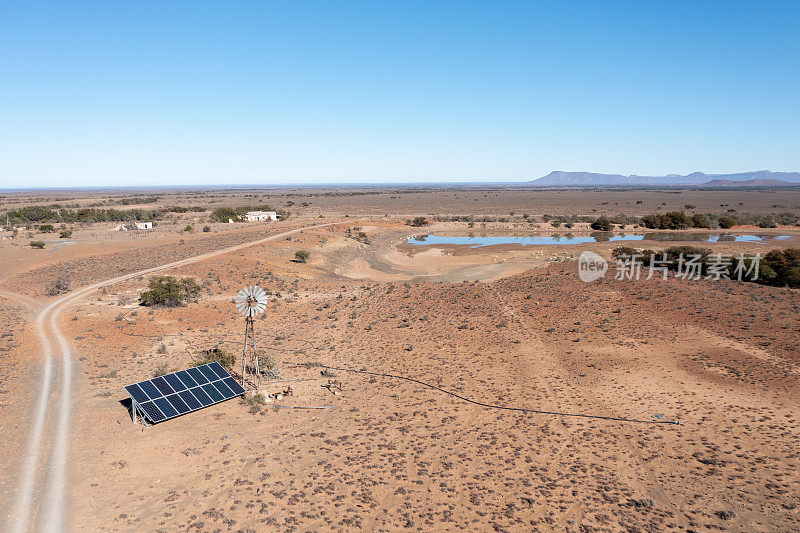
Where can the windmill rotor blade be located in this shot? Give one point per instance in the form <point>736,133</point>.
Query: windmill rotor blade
<point>242,293</point>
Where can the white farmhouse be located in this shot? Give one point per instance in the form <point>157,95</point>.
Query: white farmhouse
<point>259,216</point>
<point>144,225</point>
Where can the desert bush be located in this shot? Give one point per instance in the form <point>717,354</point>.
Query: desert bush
<point>268,366</point>
<point>46,228</point>
<point>59,286</point>
<point>700,221</point>
<point>602,224</point>
<point>37,244</point>
<point>301,256</point>
<point>223,214</point>
<point>417,222</point>
<point>189,228</point>
<point>726,222</point>
<point>767,222</point>
<point>169,292</point>
<point>65,234</point>
<point>161,369</point>
<point>206,229</point>
<point>671,220</point>
<point>781,268</point>
<point>215,355</point>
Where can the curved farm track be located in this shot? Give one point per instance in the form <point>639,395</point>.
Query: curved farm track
<point>39,501</point>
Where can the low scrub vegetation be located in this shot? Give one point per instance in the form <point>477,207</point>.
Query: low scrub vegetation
<point>417,222</point>
<point>168,291</point>
<point>215,355</point>
<point>38,245</point>
<point>602,224</point>
<point>780,268</point>
<point>301,256</point>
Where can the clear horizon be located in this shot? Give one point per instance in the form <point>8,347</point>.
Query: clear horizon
<point>187,94</point>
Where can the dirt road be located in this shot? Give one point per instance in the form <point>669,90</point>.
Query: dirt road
<point>40,501</point>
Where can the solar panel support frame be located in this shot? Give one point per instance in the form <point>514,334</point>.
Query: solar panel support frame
<point>138,414</point>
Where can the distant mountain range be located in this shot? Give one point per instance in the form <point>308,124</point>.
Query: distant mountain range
<point>758,178</point>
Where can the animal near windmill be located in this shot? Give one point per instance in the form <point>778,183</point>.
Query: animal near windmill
<point>250,301</point>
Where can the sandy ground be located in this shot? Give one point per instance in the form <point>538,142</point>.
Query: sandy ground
<point>389,454</point>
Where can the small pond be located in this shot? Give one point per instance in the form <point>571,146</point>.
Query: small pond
<point>476,241</point>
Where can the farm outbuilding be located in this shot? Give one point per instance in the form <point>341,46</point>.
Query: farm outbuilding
<point>260,216</point>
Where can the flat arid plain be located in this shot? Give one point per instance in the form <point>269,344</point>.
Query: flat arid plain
<point>439,386</point>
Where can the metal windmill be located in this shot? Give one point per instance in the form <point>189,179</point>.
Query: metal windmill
<point>250,301</point>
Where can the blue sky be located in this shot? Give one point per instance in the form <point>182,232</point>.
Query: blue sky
<point>141,93</point>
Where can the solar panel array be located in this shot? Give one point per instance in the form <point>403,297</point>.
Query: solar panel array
<point>182,392</point>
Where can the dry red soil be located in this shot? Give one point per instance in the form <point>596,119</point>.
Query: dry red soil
<point>721,357</point>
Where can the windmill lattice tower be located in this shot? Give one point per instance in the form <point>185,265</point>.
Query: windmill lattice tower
<point>250,301</point>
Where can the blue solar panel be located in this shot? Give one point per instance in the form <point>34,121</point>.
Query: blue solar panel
<point>165,407</point>
<point>234,386</point>
<point>182,392</point>
<point>207,372</point>
<point>178,404</point>
<point>202,397</point>
<point>218,370</point>
<point>223,389</point>
<point>149,389</point>
<point>137,393</point>
<point>190,400</point>
<point>162,385</point>
<point>174,382</point>
<point>212,391</point>
<point>186,378</point>
<point>153,412</point>
<point>197,376</point>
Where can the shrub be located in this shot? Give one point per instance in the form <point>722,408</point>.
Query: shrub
<point>37,244</point>
<point>671,220</point>
<point>301,256</point>
<point>59,286</point>
<point>767,222</point>
<point>268,366</point>
<point>160,370</point>
<point>726,222</point>
<point>169,291</point>
<point>189,228</point>
<point>223,214</point>
<point>781,267</point>
<point>206,229</point>
<point>418,222</point>
<point>602,224</point>
<point>65,234</point>
<point>215,355</point>
<point>701,221</point>
<point>46,228</point>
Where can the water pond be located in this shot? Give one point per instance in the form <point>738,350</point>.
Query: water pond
<point>476,241</point>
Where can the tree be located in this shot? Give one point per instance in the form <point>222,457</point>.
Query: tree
<point>301,256</point>
<point>701,221</point>
<point>418,222</point>
<point>602,224</point>
<point>726,222</point>
<point>169,292</point>
<point>223,214</point>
